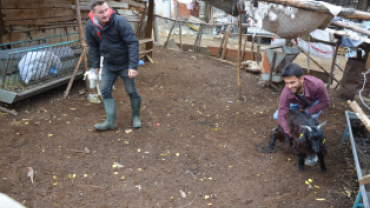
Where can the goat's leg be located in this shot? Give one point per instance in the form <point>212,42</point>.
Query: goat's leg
<point>320,155</point>
<point>301,161</point>
<point>273,140</point>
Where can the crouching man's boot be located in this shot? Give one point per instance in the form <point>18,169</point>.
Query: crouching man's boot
<point>110,113</point>
<point>135,104</point>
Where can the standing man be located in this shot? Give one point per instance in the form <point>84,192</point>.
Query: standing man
<point>111,36</point>
<point>305,93</point>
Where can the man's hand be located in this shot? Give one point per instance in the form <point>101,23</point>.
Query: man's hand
<point>132,73</point>
<point>96,70</point>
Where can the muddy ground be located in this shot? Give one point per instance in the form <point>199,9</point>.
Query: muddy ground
<point>196,137</point>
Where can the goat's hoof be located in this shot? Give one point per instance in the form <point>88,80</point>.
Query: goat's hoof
<point>301,167</point>
<point>323,170</point>
<point>271,146</point>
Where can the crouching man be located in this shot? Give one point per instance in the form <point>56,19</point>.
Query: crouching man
<point>111,35</point>
<point>301,92</point>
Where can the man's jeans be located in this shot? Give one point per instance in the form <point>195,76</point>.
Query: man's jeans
<point>108,78</point>
<point>294,106</point>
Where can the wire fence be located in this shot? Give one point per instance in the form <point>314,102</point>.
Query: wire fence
<point>27,64</point>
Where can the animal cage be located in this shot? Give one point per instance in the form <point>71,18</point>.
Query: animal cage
<point>34,66</point>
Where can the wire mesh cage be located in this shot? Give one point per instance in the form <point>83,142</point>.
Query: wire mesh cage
<point>33,66</point>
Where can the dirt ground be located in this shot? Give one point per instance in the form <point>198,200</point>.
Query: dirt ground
<point>196,137</point>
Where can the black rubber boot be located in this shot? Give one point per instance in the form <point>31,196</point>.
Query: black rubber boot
<point>135,105</point>
<point>111,114</point>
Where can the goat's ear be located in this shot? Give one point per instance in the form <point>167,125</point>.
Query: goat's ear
<point>321,125</point>
<point>306,127</point>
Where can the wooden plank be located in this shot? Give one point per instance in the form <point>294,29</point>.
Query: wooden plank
<point>133,3</point>
<point>245,43</point>
<point>41,22</point>
<point>31,14</point>
<point>222,44</point>
<point>145,52</point>
<point>30,4</point>
<point>180,36</point>
<point>226,41</point>
<point>125,12</point>
<point>149,25</point>
<point>146,40</point>
<point>115,4</point>
<point>231,54</point>
<point>334,60</point>
<point>84,49</point>
<point>169,35</point>
<point>239,55</point>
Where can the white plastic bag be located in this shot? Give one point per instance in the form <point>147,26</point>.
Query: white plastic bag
<point>36,65</point>
<point>319,50</point>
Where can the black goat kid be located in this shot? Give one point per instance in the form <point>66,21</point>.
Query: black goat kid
<point>307,137</point>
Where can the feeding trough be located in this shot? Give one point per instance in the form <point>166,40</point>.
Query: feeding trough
<point>284,56</point>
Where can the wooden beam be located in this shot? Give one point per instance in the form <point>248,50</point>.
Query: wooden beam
<point>141,25</point>
<point>32,14</point>
<point>81,35</point>
<point>133,3</point>
<point>41,28</point>
<point>180,36</point>
<point>222,43</point>
<point>312,39</point>
<point>239,55</point>
<point>115,4</point>
<point>262,36</point>
<point>40,22</point>
<point>252,48</point>
<point>148,57</point>
<point>333,61</point>
<point>231,54</point>
<point>34,4</point>
<point>149,26</point>
<point>349,13</point>
<point>351,27</point>
<point>245,43</point>
<point>226,41</point>
<point>201,23</point>
<point>169,35</point>
<point>75,72</point>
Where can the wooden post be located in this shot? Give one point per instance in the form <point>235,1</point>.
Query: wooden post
<point>228,31</point>
<point>272,67</point>
<point>239,55</point>
<point>334,60</point>
<point>245,43</point>
<point>367,59</point>
<point>149,27</point>
<point>81,35</point>
<point>198,40</point>
<point>180,36</point>
<point>75,72</point>
<point>169,35</point>
<point>140,26</point>
<point>252,50</point>
<point>222,41</point>
<point>258,49</point>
